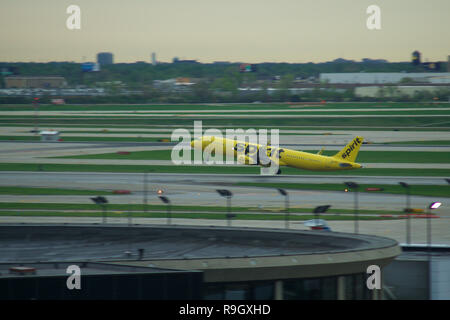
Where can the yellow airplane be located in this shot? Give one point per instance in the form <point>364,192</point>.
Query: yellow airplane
<point>248,153</point>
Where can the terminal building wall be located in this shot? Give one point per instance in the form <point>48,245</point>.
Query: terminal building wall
<point>158,286</point>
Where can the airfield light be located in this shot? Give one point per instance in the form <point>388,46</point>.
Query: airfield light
<point>36,115</point>
<point>167,201</point>
<point>355,186</point>
<point>145,192</point>
<point>101,201</point>
<point>407,209</point>
<point>227,194</point>
<point>435,205</point>
<point>286,206</point>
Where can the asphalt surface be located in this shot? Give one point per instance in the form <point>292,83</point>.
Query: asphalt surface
<point>201,190</point>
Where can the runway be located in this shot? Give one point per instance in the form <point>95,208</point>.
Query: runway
<point>190,189</point>
<point>321,137</point>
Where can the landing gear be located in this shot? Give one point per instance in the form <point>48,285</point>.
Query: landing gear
<point>279,171</point>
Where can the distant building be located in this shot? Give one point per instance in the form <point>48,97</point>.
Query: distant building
<point>180,84</point>
<point>105,58</point>
<point>176,60</point>
<point>154,59</point>
<point>394,91</point>
<point>49,135</point>
<point>385,77</point>
<point>34,82</point>
<point>367,60</point>
<point>415,58</point>
<point>90,67</point>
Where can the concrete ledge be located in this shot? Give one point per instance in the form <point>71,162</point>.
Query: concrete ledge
<point>223,254</point>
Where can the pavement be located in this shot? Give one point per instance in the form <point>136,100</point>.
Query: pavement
<point>50,153</point>
<point>201,190</point>
<point>315,137</point>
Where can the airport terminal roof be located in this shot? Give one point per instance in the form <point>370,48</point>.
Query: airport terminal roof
<point>14,270</point>
<point>116,242</point>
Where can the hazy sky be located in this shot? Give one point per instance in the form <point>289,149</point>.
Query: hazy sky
<point>227,30</point>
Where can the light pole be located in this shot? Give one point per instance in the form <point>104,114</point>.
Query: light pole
<point>318,210</point>
<point>432,206</point>
<point>167,201</point>
<point>101,201</point>
<point>407,211</point>
<point>36,114</point>
<point>227,194</point>
<point>145,194</point>
<point>355,187</point>
<point>286,206</point>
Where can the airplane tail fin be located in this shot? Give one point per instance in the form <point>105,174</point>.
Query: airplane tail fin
<point>350,152</point>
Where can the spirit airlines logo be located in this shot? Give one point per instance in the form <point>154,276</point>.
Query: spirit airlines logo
<point>351,147</point>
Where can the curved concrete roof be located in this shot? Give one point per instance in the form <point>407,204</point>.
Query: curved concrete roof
<point>225,254</point>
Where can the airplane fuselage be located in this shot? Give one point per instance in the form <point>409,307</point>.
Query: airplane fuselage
<point>247,153</point>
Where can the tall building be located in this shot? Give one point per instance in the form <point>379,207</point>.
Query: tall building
<point>153,58</point>
<point>104,58</point>
<point>415,58</point>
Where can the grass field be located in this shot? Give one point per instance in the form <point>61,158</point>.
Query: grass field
<point>363,156</point>
<point>418,190</point>
<point>49,191</point>
<point>366,121</point>
<point>86,139</point>
<point>164,107</point>
<point>415,190</point>
<point>214,170</point>
<point>214,216</point>
<point>443,111</point>
<point>15,207</point>
<point>424,143</point>
<point>369,120</point>
<point>170,127</point>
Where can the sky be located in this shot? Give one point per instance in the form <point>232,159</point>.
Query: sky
<point>253,31</point>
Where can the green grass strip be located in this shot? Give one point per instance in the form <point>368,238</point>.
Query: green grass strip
<point>49,191</point>
<point>363,156</point>
<point>425,143</point>
<point>87,139</point>
<point>415,190</point>
<point>168,107</point>
<point>215,170</point>
<point>140,207</point>
<point>242,216</point>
